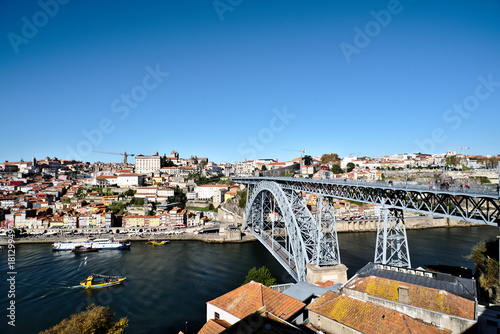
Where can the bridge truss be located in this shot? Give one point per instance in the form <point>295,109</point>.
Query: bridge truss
<point>278,217</point>
<point>284,225</point>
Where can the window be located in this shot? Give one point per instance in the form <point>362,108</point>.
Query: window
<point>216,316</point>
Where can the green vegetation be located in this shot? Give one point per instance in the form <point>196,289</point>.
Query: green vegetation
<point>129,192</point>
<point>485,257</point>
<point>336,169</point>
<point>179,196</point>
<point>308,160</point>
<point>200,180</point>
<point>198,208</point>
<point>166,162</point>
<point>350,166</point>
<point>95,320</point>
<point>263,167</point>
<point>137,201</point>
<point>66,200</point>
<point>242,202</point>
<point>262,275</point>
<point>483,179</point>
<point>117,207</point>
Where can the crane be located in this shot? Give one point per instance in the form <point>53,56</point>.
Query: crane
<point>303,151</point>
<point>459,148</point>
<point>125,155</point>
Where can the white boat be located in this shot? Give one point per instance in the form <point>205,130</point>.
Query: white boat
<point>109,244</point>
<point>70,245</point>
<point>90,243</point>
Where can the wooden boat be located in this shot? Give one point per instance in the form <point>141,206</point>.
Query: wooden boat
<point>83,249</point>
<point>101,281</point>
<point>157,243</point>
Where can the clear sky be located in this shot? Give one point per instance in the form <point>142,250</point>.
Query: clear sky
<point>231,79</point>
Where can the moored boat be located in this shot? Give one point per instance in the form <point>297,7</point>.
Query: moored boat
<point>84,249</point>
<point>101,281</point>
<point>157,243</point>
<point>90,243</point>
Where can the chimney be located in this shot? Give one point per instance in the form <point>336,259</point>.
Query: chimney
<point>404,296</point>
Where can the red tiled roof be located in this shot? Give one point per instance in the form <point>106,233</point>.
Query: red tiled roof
<point>252,296</point>
<point>214,185</point>
<point>419,296</point>
<point>366,317</point>
<point>214,327</point>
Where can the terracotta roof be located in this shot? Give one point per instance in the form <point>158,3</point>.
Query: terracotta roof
<point>214,327</point>
<point>324,284</point>
<point>214,185</point>
<point>419,296</point>
<point>104,177</point>
<point>366,317</point>
<point>252,296</point>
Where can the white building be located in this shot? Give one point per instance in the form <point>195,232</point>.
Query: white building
<point>146,164</point>
<point>128,180</point>
<point>245,168</point>
<point>207,191</point>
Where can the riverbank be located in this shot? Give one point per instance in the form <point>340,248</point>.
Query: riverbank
<point>207,238</point>
<point>411,223</point>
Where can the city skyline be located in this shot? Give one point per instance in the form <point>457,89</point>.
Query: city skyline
<point>235,80</point>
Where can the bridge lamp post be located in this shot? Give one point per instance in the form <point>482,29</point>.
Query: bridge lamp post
<point>406,172</point>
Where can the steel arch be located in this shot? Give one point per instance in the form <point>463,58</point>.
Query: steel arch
<point>306,241</point>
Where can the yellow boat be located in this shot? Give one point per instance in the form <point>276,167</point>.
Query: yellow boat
<point>101,281</point>
<point>156,243</point>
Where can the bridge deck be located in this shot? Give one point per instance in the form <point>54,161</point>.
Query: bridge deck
<point>474,204</point>
<point>277,249</point>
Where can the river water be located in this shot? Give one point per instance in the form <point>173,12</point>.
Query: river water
<point>167,286</point>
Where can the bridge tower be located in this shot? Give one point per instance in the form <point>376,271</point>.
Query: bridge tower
<point>392,245</point>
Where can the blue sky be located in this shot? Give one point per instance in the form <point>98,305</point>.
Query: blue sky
<point>230,79</point>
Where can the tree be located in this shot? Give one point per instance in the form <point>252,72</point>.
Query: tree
<point>336,169</point>
<point>330,159</point>
<point>485,257</point>
<point>96,319</point>
<point>308,160</point>
<point>242,203</point>
<point>263,167</point>
<point>350,167</point>
<point>262,275</point>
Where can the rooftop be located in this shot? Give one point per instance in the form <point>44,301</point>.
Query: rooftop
<point>252,296</point>
<point>366,317</point>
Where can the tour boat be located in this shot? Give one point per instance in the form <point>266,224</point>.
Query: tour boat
<point>90,243</point>
<point>84,249</point>
<point>157,243</point>
<point>101,281</point>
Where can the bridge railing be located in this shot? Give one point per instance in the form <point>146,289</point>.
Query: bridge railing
<point>432,186</point>
<point>457,189</point>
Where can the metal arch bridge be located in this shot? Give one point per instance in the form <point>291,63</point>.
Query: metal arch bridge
<point>295,236</point>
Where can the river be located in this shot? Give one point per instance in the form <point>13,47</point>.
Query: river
<point>167,286</point>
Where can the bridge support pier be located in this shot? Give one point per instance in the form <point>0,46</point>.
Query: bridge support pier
<point>336,273</point>
<point>392,245</point>
<point>327,245</point>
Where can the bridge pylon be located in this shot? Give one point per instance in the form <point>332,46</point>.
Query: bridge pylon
<point>327,245</point>
<point>392,244</point>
